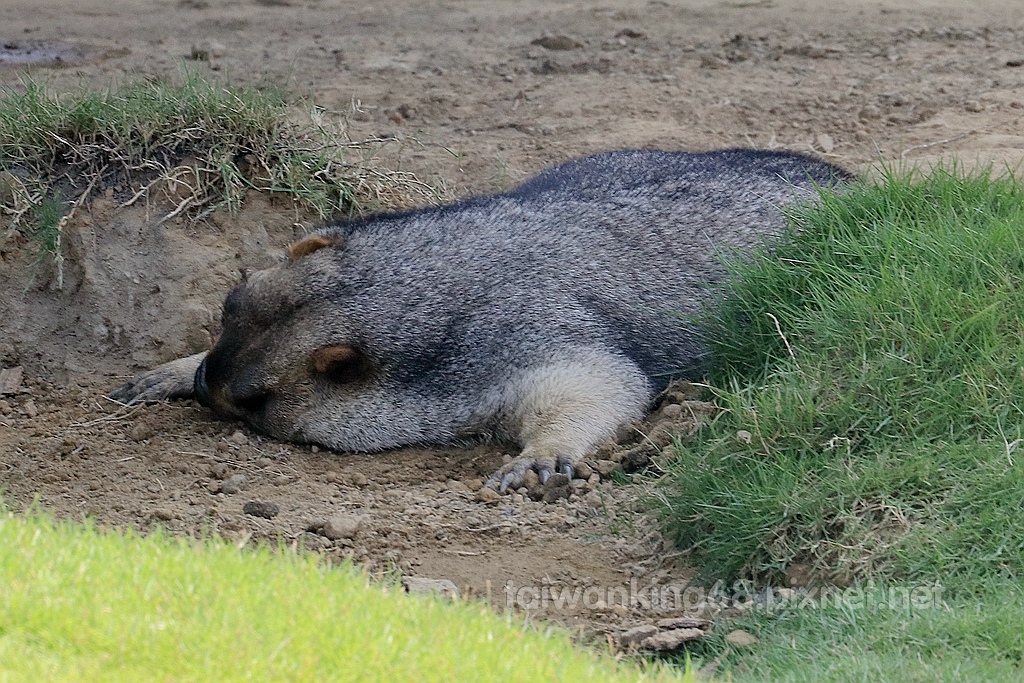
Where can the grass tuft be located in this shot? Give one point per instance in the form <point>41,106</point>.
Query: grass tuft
<point>193,143</point>
<point>870,379</point>
<point>870,376</point>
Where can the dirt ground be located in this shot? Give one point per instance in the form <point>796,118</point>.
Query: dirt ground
<point>478,95</point>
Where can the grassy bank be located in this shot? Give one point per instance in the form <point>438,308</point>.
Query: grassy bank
<point>81,605</point>
<point>870,379</point>
<point>190,144</point>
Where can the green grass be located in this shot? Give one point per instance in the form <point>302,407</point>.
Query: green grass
<point>192,144</point>
<point>82,605</point>
<point>885,445</point>
<point>881,640</point>
<point>870,375</point>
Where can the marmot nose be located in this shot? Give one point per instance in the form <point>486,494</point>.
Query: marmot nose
<point>199,384</point>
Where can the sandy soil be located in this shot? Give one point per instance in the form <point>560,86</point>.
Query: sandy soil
<point>480,95</point>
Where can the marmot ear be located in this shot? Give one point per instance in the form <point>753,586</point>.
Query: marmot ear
<point>340,363</point>
<point>307,246</point>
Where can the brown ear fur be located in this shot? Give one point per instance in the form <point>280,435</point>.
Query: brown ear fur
<point>307,246</point>
<point>340,362</point>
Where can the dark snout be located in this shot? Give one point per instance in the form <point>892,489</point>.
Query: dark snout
<point>202,390</point>
<point>227,392</point>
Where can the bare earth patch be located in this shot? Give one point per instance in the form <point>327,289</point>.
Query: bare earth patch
<point>481,95</point>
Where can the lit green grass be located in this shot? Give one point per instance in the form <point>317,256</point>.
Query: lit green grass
<point>882,641</point>
<point>886,444</point>
<point>870,371</point>
<point>81,605</point>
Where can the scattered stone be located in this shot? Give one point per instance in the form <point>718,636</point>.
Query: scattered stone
<point>238,438</point>
<point>634,636</point>
<point>358,479</point>
<point>219,470</point>
<point>233,484</point>
<point>29,408</point>
<point>141,431</point>
<point>162,514</point>
<point>744,436</point>
<point>5,407</point>
<point>311,541</point>
<point>332,477</point>
<point>672,411</point>
<point>869,113</point>
<point>974,107</point>
<point>555,488</point>
<point>637,459</point>
<point>672,640</point>
<point>206,50</point>
<point>10,380</point>
<point>583,470</point>
<point>342,526</point>
<point>531,480</point>
<point>741,638</point>
<point>673,623</point>
<point>457,486</point>
<point>264,463</point>
<point>826,143</point>
<point>559,43</point>
<point>422,585</point>
<point>487,495</point>
<point>260,509</point>
<point>606,467</point>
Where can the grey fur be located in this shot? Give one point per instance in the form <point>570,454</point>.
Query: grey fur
<point>548,315</point>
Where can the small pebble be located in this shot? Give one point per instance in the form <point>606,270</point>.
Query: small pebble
<point>219,470</point>
<point>358,479</point>
<point>237,437</point>
<point>162,514</point>
<point>557,43</point>
<point>260,509</point>
<point>583,470</point>
<point>424,586</point>
<point>741,638</point>
<point>342,526</point>
<point>634,636</point>
<point>672,640</point>
<point>141,431</point>
<point>556,488</point>
<point>672,410</point>
<point>457,486</point>
<point>29,408</point>
<point>487,495</point>
<point>233,484</point>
